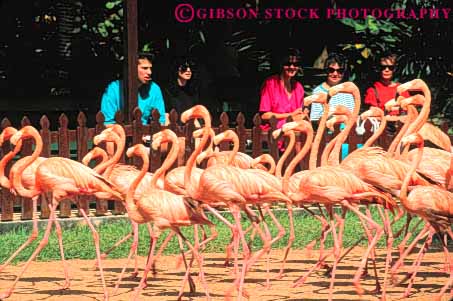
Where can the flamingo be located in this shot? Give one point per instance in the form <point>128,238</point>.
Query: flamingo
<point>334,185</point>
<point>235,187</point>
<point>163,208</point>
<point>64,178</point>
<point>28,179</point>
<point>432,204</point>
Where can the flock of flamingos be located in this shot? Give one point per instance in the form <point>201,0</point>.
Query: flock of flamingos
<point>399,181</point>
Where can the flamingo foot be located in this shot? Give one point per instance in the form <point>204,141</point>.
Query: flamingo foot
<point>106,297</point>
<point>279,276</point>
<point>6,294</point>
<point>134,274</point>
<point>359,289</point>
<point>328,271</point>
<point>377,290</point>
<point>64,286</point>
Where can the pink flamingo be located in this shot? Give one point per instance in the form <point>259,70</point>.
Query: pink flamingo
<point>234,186</point>
<point>64,178</point>
<point>163,208</point>
<point>431,203</point>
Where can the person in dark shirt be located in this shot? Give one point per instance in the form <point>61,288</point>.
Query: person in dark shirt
<point>182,91</point>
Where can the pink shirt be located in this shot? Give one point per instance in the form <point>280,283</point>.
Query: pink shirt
<point>274,98</point>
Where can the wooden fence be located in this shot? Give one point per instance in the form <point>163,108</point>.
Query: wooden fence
<point>75,143</point>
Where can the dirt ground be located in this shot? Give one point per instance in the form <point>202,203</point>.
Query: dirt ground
<point>42,280</point>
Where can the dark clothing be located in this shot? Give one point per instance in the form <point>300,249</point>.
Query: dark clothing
<point>180,98</point>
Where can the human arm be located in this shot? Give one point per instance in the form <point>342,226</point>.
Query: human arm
<point>158,103</point>
<point>110,102</point>
<point>370,98</point>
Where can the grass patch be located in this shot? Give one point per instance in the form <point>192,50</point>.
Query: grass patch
<point>78,241</point>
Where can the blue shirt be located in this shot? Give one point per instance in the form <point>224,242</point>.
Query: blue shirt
<point>345,99</point>
<point>149,98</point>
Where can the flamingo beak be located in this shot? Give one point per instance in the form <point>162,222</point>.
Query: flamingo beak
<point>16,137</point>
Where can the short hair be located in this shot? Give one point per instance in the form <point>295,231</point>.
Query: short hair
<point>145,56</point>
<point>338,58</point>
<point>388,56</point>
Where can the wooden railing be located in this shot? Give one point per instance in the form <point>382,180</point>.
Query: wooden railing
<point>75,143</point>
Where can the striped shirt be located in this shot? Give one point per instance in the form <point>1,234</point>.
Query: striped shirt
<point>345,99</point>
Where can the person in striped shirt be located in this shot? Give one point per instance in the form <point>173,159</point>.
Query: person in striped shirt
<point>336,68</point>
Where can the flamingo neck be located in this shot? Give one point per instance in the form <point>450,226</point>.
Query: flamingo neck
<point>327,151</point>
<point>285,155</point>
<point>376,134</point>
<point>27,161</point>
<point>130,202</point>
<point>106,166</point>
<point>300,155</point>
<point>168,162</point>
<point>334,160</point>
<point>416,162</point>
<point>190,185</point>
<point>4,181</point>
<point>319,134</point>
<point>423,115</point>
<point>411,113</point>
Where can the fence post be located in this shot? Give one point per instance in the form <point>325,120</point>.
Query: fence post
<point>45,198</point>
<point>257,146</point>
<point>26,150</point>
<point>7,199</point>
<point>63,151</point>
<point>224,121</point>
<point>273,149</point>
<point>101,205</point>
<point>155,156</point>
<point>82,149</point>
<point>240,130</point>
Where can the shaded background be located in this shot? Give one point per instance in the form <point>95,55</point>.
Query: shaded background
<point>58,56</point>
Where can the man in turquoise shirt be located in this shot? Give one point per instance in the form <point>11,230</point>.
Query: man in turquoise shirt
<point>149,94</point>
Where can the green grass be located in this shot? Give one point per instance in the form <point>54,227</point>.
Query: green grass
<point>78,242</point>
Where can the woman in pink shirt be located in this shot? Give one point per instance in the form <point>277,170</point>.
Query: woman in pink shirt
<point>281,94</point>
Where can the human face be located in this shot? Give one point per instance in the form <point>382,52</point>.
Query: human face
<point>291,67</point>
<point>144,71</point>
<point>185,72</point>
<point>386,69</point>
<point>334,74</point>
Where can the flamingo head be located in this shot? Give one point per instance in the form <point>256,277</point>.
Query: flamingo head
<point>318,98</point>
<point>108,135</point>
<point>346,87</point>
<point>330,124</point>
<point>203,155</point>
<point>417,100</point>
<point>163,136</point>
<point>414,138</point>
<point>264,159</point>
<point>197,111</point>
<point>341,110</point>
<point>93,154</point>
<point>118,129</point>
<point>27,131</point>
<point>136,150</point>
<point>372,112</point>
<point>300,126</point>
<point>6,134</point>
<point>415,84</point>
<point>276,133</point>
<point>227,135</point>
<point>391,105</point>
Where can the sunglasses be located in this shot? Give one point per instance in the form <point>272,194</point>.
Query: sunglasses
<point>185,66</point>
<point>288,64</point>
<point>390,67</point>
<point>332,70</point>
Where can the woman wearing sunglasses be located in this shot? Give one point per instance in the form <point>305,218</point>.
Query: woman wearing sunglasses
<point>182,92</point>
<point>384,89</point>
<point>335,67</point>
<point>281,94</point>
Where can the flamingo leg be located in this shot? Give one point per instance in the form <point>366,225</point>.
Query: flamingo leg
<point>31,238</point>
<point>41,245</point>
<point>149,263</point>
<point>450,280</point>
<point>417,263</point>
<point>400,261</point>
<point>291,238</point>
<point>60,245</point>
<point>98,251</point>
<point>379,232</point>
<point>131,251</point>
